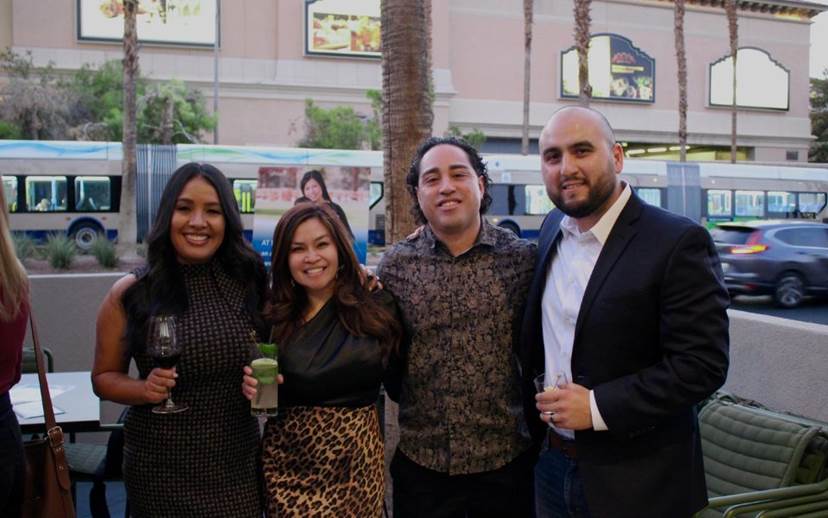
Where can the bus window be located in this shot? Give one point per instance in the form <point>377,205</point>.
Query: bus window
<point>45,193</point>
<point>810,202</point>
<point>651,196</point>
<point>718,203</point>
<point>376,194</point>
<point>10,191</point>
<point>750,203</point>
<point>781,202</point>
<point>245,192</point>
<point>93,194</point>
<point>537,201</point>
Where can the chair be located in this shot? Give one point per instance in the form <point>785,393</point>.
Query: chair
<point>760,460</point>
<point>29,363</point>
<point>98,464</point>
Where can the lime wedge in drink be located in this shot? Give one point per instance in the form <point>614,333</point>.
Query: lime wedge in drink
<point>265,370</point>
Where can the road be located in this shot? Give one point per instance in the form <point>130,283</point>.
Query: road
<point>810,311</point>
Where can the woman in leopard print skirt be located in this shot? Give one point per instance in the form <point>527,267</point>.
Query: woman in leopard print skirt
<point>323,455</point>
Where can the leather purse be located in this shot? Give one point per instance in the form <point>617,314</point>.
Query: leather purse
<point>46,485</point>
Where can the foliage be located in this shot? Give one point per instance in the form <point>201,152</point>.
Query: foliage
<point>104,251</point>
<point>475,137</point>
<point>89,105</point>
<point>24,246</point>
<point>33,100</point>
<point>341,127</point>
<point>61,251</point>
<point>819,118</point>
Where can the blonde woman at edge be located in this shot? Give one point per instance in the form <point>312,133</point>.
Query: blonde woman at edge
<point>14,314</point>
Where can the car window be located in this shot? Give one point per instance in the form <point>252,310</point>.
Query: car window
<point>815,237</point>
<point>731,235</point>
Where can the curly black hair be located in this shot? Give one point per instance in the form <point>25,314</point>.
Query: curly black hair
<point>412,179</point>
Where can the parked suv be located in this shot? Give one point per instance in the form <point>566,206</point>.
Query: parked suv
<point>786,259</point>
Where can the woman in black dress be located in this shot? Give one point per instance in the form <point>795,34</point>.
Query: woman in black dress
<point>323,455</point>
<point>204,461</point>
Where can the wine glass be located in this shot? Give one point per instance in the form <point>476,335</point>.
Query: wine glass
<point>553,381</point>
<point>165,351</point>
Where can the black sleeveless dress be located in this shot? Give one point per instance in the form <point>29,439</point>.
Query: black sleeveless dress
<point>203,462</point>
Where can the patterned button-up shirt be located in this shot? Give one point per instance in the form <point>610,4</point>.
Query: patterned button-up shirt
<point>460,403</point>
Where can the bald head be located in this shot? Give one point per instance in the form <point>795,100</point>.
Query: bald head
<point>581,115</point>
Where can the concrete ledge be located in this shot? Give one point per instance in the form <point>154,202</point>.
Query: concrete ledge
<point>780,363</point>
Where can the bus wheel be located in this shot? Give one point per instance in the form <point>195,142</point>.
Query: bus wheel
<point>508,225</point>
<point>85,235</point>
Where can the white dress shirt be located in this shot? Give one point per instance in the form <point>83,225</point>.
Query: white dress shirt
<point>566,282</point>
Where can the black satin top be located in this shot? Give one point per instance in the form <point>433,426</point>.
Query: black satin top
<point>324,365</point>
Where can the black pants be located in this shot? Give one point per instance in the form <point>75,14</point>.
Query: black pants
<point>422,493</point>
<point>11,461</point>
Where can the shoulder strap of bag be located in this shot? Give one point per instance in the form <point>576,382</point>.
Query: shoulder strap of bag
<point>53,431</point>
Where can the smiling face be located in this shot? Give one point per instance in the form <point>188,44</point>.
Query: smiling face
<point>580,164</point>
<point>449,191</point>
<point>197,224</point>
<point>312,190</point>
<point>313,260</point>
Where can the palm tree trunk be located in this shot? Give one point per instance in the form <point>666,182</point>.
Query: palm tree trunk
<point>528,9</point>
<point>407,93</point>
<point>582,21</point>
<point>733,31</point>
<point>681,59</point>
<point>127,226</point>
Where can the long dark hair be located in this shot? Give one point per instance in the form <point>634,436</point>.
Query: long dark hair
<point>160,288</point>
<point>313,174</point>
<point>356,308</point>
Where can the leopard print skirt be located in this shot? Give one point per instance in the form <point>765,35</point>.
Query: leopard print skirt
<point>324,462</point>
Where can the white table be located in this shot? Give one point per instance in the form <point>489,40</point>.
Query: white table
<point>81,407</point>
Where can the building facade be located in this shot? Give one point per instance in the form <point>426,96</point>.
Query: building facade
<point>272,55</point>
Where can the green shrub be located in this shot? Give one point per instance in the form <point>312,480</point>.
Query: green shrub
<point>24,246</point>
<point>104,251</point>
<point>61,251</point>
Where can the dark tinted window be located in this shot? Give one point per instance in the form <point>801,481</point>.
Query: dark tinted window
<point>731,235</point>
<point>817,237</point>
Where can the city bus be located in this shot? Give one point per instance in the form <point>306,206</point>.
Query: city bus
<point>74,187</point>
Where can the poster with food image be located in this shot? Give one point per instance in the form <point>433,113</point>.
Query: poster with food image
<point>172,22</point>
<point>343,27</point>
<point>618,70</point>
<point>345,189</point>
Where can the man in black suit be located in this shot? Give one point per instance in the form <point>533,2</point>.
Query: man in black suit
<point>628,302</point>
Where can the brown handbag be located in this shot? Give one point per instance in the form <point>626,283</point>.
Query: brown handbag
<point>46,486</point>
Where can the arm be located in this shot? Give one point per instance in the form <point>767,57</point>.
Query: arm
<point>693,342</point>
<point>109,371</point>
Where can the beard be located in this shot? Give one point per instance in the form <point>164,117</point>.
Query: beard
<point>598,194</point>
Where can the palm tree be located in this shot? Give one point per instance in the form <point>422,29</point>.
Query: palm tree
<point>582,21</point>
<point>733,31</point>
<point>128,226</point>
<point>407,93</point>
<point>528,9</point>
<point>681,59</point>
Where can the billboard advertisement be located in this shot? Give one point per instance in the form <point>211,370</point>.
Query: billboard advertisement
<point>618,70</point>
<point>165,22</point>
<point>342,28</point>
<point>753,67</point>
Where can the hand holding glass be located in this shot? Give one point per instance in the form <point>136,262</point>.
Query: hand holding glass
<point>265,369</point>
<point>165,350</point>
<point>544,383</point>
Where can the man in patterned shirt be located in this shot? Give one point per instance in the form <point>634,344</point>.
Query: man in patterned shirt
<point>461,285</point>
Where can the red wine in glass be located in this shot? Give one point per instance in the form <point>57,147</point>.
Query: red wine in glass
<point>165,350</point>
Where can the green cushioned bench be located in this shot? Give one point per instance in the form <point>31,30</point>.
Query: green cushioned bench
<point>754,456</point>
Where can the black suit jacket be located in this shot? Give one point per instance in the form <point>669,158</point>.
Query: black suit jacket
<point>651,341</point>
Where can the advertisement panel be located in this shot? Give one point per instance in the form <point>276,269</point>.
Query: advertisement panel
<point>342,28</point>
<point>618,70</point>
<point>169,22</point>
<point>753,67</point>
<point>280,188</point>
